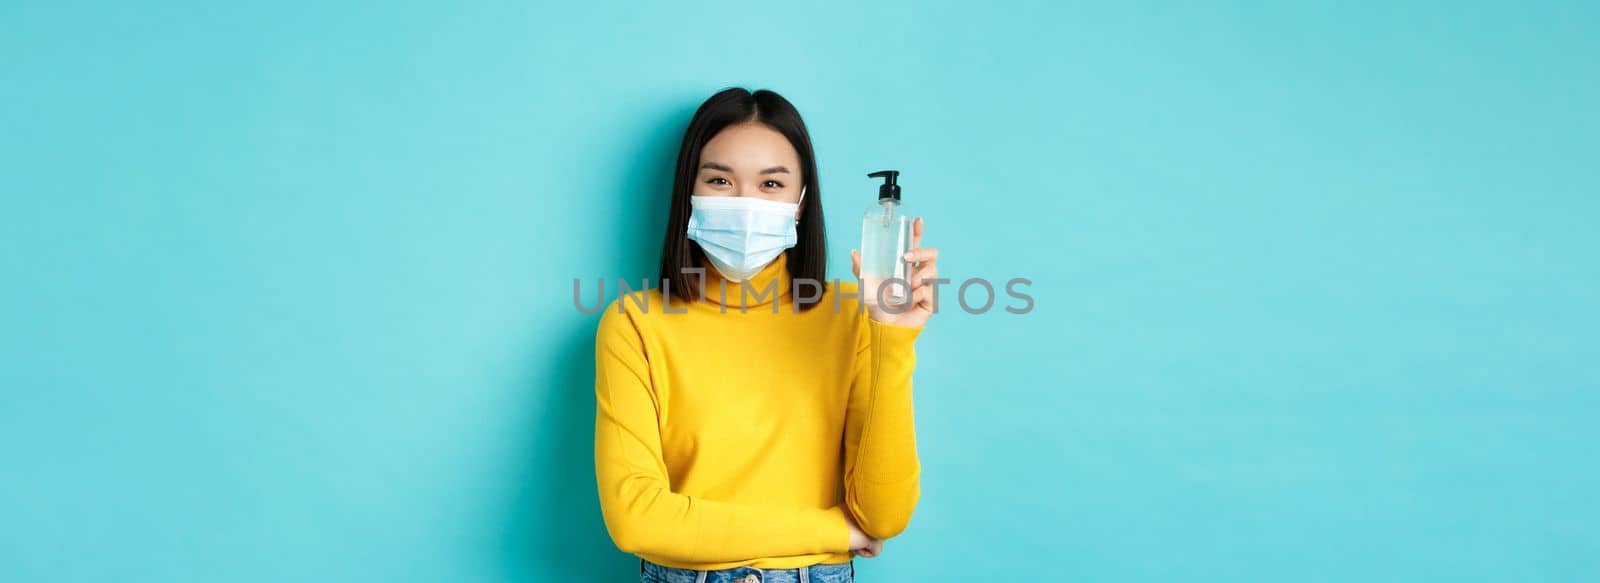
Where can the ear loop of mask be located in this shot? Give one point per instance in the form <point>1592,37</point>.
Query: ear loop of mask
<point>800,202</point>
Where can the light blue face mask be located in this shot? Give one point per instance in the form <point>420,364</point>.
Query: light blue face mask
<point>742,234</point>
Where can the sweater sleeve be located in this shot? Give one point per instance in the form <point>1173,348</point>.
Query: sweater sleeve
<point>882,476</point>
<point>642,513</point>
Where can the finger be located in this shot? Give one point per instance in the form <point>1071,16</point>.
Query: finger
<point>916,232</point>
<point>855,263</point>
<point>922,295</point>
<point>921,255</point>
<point>924,274</point>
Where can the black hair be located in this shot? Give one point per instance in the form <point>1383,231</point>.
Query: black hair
<point>808,259</point>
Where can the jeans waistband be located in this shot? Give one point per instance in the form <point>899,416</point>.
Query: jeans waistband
<point>818,573</point>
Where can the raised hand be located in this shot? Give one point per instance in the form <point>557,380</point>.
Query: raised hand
<point>924,264</point>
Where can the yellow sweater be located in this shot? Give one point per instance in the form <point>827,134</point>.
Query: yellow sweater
<point>726,439</point>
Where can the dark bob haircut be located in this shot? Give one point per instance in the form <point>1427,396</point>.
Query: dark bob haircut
<point>808,259</point>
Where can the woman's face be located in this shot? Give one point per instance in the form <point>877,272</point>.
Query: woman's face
<point>749,159</point>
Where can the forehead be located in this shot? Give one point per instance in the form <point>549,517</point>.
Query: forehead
<point>750,146</point>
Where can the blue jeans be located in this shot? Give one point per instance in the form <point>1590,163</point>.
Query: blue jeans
<point>819,573</point>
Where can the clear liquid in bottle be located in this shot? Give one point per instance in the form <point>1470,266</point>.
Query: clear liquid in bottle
<point>885,238</point>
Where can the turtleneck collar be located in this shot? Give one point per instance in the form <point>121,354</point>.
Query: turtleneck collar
<point>760,284</point>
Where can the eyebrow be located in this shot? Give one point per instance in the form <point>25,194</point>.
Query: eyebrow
<point>724,168</point>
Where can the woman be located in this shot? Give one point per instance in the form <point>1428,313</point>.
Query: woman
<point>754,422</point>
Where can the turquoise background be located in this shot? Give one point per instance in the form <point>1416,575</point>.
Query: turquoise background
<point>288,286</point>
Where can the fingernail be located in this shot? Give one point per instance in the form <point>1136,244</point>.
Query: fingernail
<point>906,256</point>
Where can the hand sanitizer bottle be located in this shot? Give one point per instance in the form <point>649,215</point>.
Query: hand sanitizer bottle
<point>885,238</point>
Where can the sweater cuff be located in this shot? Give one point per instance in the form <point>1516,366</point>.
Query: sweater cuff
<point>893,335</point>
<point>836,530</point>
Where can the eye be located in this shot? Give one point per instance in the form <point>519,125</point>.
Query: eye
<point>714,179</point>
<point>773,183</point>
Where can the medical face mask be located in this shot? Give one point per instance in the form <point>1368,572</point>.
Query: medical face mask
<point>741,234</point>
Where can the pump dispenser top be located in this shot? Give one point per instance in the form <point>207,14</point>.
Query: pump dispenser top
<point>888,189</point>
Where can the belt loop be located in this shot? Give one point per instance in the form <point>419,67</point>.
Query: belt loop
<point>700,576</point>
<point>805,574</point>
